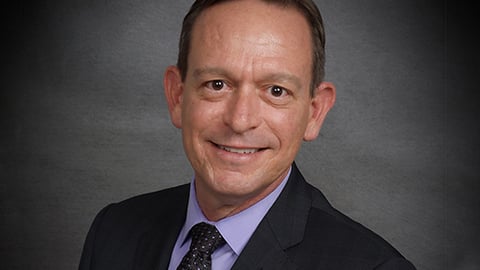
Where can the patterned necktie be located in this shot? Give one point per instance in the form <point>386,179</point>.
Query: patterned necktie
<point>205,239</point>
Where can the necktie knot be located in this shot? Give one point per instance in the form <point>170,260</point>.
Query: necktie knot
<point>205,240</point>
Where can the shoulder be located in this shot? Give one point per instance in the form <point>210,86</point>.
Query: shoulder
<point>127,220</point>
<point>142,212</point>
<point>157,199</point>
<point>121,228</point>
<point>345,242</point>
<point>340,231</point>
<point>149,205</point>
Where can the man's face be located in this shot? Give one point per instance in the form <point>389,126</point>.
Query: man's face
<point>244,106</point>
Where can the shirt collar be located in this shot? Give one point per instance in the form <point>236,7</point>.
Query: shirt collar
<point>236,229</point>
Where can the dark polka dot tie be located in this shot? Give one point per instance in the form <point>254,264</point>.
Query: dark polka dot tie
<point>205,239</point>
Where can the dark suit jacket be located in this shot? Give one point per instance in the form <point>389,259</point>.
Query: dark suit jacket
<point>301,231</point>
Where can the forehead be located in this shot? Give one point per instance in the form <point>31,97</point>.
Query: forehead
<point>251,15</point>
<point>252,28</point>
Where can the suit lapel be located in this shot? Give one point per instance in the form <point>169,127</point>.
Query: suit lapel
<point>282,227</point>
<point>263,252</point>
<point>156,244</point>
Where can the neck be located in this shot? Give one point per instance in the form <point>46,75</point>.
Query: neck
<point>216,206</point>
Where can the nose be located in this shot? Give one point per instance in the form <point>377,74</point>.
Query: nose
<point>243,110</point>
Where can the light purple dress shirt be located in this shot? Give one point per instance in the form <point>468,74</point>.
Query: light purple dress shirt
<point>236,229</point>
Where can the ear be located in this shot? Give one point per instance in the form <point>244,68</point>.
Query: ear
<point>173,85</point>
<point>321,102</point>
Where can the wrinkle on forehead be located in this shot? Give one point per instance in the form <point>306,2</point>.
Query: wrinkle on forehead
<point>231,17</point>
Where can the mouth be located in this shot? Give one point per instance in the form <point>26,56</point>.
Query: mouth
<point>240,150</point>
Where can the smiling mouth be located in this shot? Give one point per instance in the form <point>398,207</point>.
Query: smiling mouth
<point>239,150</point>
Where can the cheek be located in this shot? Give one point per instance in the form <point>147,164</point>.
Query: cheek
<point>290,123</point>
<point>192,111</point>
<point>199,116</point>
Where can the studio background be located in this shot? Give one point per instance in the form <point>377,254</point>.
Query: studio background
<point>85,123</point>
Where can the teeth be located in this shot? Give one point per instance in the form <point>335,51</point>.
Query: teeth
<point>238,150</point>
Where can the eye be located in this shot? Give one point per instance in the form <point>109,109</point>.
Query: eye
<point>277,91</point>
<point>216,85</point>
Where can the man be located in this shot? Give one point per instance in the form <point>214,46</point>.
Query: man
<point>247,90</point>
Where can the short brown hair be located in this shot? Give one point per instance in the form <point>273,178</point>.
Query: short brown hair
<point>306,7</point>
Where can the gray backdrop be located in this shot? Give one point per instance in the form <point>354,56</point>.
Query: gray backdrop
<point>84,123</point>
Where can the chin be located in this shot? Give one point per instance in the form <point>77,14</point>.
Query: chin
<point>239,187</point>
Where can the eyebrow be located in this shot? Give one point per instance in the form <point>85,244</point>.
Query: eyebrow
<point>274,77</point>
<point>210,71</point>
<point>285,77</point>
